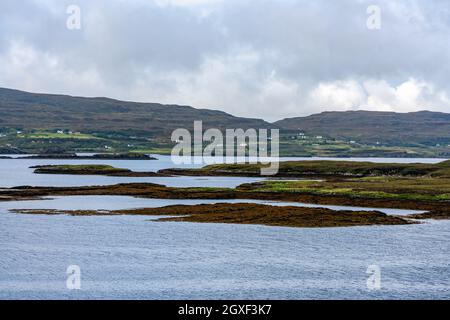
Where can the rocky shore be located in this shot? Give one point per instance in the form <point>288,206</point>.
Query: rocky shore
<point>100,156</point>
<point>245,213</point>
<point>424,187</point>
<point>103,170</point>
<point>155,191</point>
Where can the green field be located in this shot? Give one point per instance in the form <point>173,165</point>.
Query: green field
<point>365,180</point>
<point>423,189</point>
<point>45,141</point>
<point>50,135</point>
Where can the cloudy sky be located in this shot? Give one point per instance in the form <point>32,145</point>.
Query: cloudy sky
<point>268,59</point>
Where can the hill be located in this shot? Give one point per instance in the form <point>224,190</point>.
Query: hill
<point>48,123</point>
<point>23,110</point>
<point>424,127</point>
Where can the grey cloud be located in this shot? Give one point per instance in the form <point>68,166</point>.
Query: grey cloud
<point>264,58</point>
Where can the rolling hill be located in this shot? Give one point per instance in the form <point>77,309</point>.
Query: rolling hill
<point>424,127</point>
<point>23,110</point>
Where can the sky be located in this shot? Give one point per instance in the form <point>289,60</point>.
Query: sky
<point>267,59</point>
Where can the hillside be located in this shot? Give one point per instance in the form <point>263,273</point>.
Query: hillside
<point>424,127</point>
<point>23,110</point>
<point>47,123</point>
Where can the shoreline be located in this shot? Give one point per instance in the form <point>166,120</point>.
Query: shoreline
<point>154,191</point>
<point>424,187</point>
<point>246,213</point>
<point>96,170</point>
<point>74,156</point>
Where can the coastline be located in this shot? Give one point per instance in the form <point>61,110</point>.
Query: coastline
<point>370,185</point>
<point>246,213</point>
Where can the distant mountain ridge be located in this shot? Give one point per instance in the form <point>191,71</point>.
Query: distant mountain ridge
<point>423,127</point>
<point>24,110</point>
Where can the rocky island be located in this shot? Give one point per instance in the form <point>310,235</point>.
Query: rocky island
<point>424,187</point>
<point>100,156</point>
<point>103,170</point>
<point>247,213</point>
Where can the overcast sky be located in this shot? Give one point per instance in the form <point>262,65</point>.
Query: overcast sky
<point>267,59</point>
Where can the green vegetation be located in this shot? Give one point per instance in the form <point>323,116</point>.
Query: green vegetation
<point>353,180</point>
<point>97,167</point>
<point>426,189</point>
<point>246,213</point>
<point>404,186</point>
<point>90,169</point>
<point>326,168</point>
<point>51,135</point>
<point>79,169</point>
<point>415,182</point>
<point>44,141</point>
<point>163,151</point>
<point>412,129</point>
<point>291,144</point>
<point>41,123</point>
<point>100,156</point>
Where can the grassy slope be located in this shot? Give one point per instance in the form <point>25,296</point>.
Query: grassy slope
<point>80,169</point>
<point>416,182</point>
<point>328,168</point>
<point>52,135</point>
<point>128,126</point>
<point>246,213</point>
<point>26,110</point>
<point>429,128</point>
<point>427,189</point>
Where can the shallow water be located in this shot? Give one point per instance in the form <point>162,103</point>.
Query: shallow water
<point>15,173</point>
<point>18,173</point>
<point>130,257</point>
<point>125,202</point>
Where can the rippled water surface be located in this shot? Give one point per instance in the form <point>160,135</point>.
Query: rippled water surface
<point>124,202</point>
<point>18,173</point>
<point>133,257</point>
